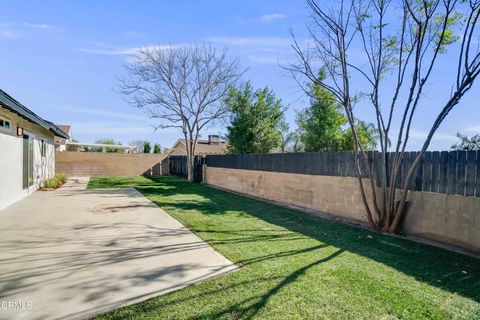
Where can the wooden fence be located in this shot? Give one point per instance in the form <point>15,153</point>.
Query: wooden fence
<point>178,167</point>
<point>452,172</point>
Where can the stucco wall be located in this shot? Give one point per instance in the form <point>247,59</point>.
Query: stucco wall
<point>108,164</point>
<point>11,159</point>
<point>450,219</point>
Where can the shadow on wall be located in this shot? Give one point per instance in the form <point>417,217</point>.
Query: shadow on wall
<point>440,268</point>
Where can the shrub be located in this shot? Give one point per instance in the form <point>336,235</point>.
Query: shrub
<point>55,182</point>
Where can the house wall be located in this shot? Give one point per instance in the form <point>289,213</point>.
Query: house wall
<point>11,159</point>
<point>450,219</point>
<point>108,164</point>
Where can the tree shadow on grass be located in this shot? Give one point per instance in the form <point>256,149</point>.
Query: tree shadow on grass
<point>248,308</point>
<point>440,268</point>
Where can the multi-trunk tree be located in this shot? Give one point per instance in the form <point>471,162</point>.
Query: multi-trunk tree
<point>389,52</point>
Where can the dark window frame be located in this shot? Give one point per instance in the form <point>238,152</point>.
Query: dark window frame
<point>43,148</point>
<point>5,124</point>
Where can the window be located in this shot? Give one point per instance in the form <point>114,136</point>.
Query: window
<point>5,124</point>
<point>43,148</point>
<point>27,161</point>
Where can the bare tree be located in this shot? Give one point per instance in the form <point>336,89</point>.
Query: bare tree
<point>400,44</point>
<point>181,87</point>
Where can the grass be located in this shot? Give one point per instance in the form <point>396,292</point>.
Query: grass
<point>297,266</point>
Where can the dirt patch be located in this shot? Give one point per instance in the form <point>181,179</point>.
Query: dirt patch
<point>107,209</point>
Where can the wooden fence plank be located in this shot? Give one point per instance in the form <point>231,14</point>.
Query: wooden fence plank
<point>435,182</point>
<point>470,173</point>
<point>427,172</point>
<point>443,172</point>
<point>477,178</point>
<point>351,165</point>
<point>401,169</point>
<point>411,158</point>
<point>461,173</point>
<point>452,172</point>
<point>418,173</point>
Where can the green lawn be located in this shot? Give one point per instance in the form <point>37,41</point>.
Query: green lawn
<point>297,266</point>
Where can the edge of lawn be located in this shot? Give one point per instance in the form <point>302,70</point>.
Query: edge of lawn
<point>316,214</point>
<point>357,224</point>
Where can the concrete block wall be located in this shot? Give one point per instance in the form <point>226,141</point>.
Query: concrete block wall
<point>108,164</point>
<point>449,219</point>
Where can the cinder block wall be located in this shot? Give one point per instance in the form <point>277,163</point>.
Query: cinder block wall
<point>450,219</point>
<point>108,164</point>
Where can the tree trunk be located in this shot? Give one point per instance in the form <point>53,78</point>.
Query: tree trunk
<point>190,170</point>
<point>190,158</point>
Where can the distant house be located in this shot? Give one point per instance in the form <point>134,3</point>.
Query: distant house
<point>204,147</point>
<point>27,151</point>
<point>61,142</point>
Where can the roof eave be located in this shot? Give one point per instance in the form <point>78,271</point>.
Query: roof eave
<point>7,102</point>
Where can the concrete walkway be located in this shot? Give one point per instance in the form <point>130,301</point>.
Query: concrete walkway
<point>74,253</point>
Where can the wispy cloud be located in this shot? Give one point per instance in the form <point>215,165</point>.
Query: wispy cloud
<point>121,51</point>
<point>473,129</point>
<point>251,41</point>
<point>439,136</point>
<point>100,112</point>
<point>268,59</point>
<point>29,25</point>
<point>18,30</point>
<point>126,131</point>
<point>106,129</point>
<point>134,34</point>
<point>42,26</point>
<point>266,50</point>
<point>110,51</point>
<point>7,34</point>
<point>72,62</point>
<point>272,16</point>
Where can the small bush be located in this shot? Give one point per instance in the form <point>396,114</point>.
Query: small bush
<point>55,182</point>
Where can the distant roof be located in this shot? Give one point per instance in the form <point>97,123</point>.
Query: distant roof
<point>203,147</point>
<point>13,105</point>
<point>64,127</point>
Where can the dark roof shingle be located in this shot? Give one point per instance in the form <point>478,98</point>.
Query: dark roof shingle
<point>14,106</point>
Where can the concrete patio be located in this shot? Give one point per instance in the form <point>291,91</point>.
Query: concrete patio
<point>74,253</point>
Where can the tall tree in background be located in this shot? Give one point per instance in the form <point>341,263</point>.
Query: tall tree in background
<point>181,87</point>
<point>292,142</point>
<point>320,124</point>
<point>257,121</point>
<point>157,148</point>
<point>467,143</point>
<point>366,133</point>
<point>396,45</point>
<point>146,147</point>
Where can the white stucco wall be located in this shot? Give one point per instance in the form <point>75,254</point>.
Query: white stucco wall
<point>11,159</point>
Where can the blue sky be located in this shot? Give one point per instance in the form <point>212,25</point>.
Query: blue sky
<point>61,59</point>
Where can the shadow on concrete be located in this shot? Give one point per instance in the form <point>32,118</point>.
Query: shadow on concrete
<point>101,252</point>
